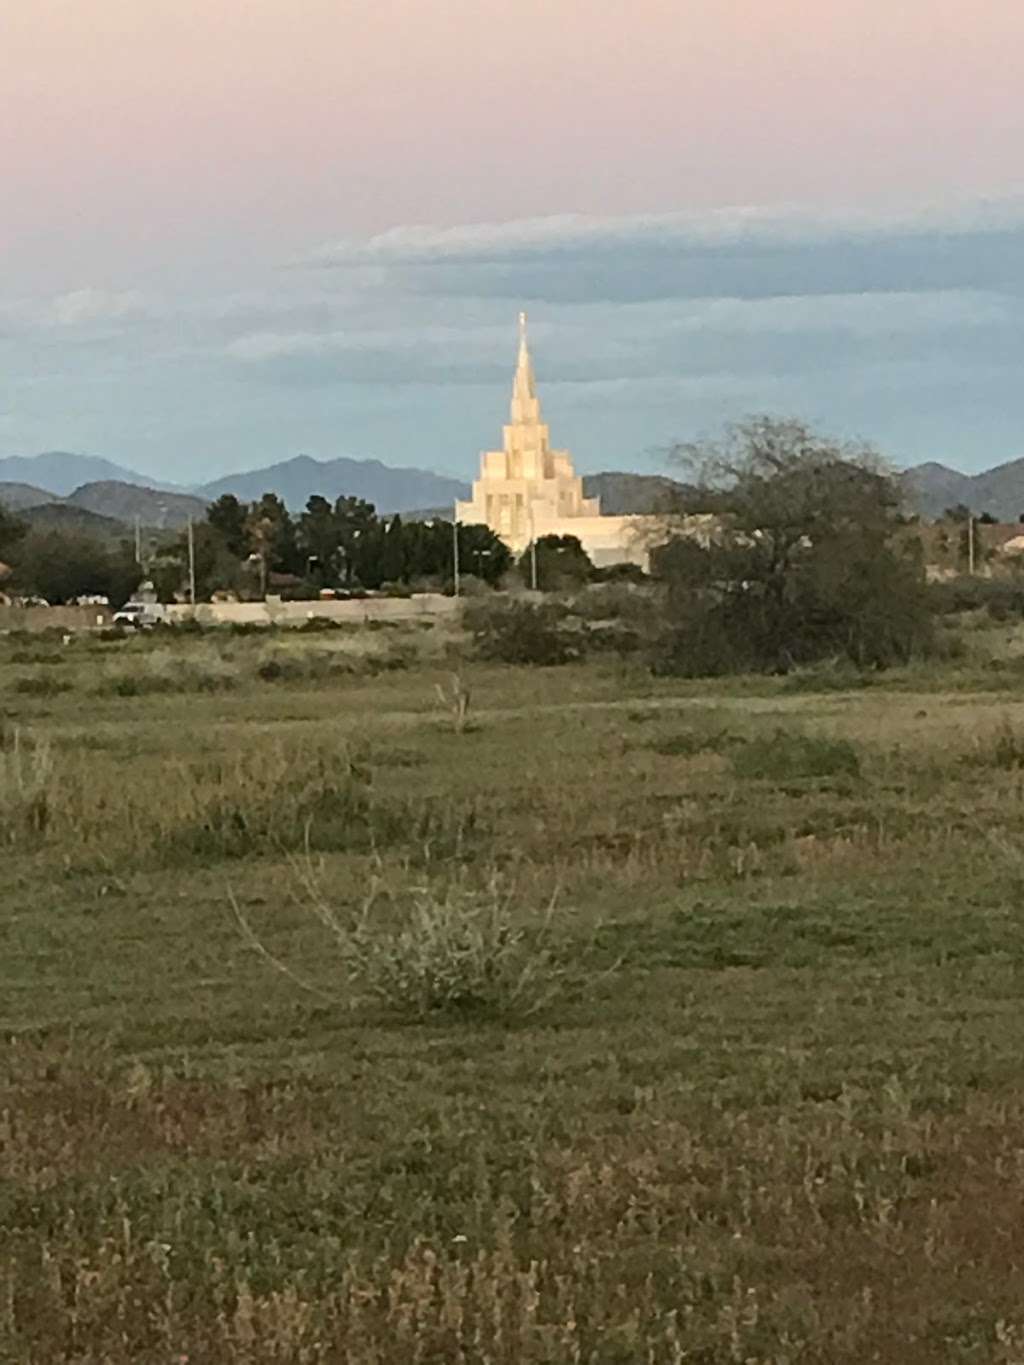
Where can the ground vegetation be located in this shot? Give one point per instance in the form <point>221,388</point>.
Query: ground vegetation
<point>645,1018</point>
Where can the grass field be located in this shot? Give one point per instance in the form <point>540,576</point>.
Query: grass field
<point>762,1099</point>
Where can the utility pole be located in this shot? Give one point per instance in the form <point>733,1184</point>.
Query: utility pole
<point>533,565</point>
<point>970,544</point>
<point>455,553</point>
<point>191,564</point>
<point>138,543</point>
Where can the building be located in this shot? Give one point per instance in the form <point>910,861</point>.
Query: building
<point>527,490</point>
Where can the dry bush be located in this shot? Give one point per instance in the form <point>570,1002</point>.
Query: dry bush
<point>426,951</point>
<point>169,671</point>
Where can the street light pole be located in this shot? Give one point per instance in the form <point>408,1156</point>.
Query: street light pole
<point>191,564</point>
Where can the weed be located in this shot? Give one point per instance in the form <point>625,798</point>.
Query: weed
<point>455,699</point>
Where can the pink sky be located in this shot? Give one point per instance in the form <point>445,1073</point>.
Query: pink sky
<point>142,133</point>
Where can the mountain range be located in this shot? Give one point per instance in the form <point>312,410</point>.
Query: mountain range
<point>932,487</point>
<point>88,484</point>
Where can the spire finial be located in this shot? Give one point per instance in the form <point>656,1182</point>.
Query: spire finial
<point>524,396</point>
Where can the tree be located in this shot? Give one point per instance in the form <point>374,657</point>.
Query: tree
<point>12,532</point>
<point>61,565</point>
<point>319,539</point>
<point>562,563</point>
<point>271,535</point>
<point>808,557</point>
<point>481,553</point>
<point>228,517</point>
<point>217,568</point>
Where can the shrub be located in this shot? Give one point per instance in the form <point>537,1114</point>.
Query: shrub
<point>425,953</point>
<point>785,755</point>
<point>41,685</point>
<point>1001,598</point>
<point>1003,749</point>
<point>515,632</point>
<point>165,670</point>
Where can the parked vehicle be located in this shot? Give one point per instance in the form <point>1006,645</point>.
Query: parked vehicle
<point>141,615</point>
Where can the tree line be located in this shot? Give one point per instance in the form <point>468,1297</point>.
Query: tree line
<point>249,548</point>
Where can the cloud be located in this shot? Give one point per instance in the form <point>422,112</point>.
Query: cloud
<point>698,231</point>
<point>902,326</point>
<point>84,306</point>
<point>740,253</point>
<point>657,340</point>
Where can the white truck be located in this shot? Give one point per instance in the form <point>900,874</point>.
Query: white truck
<point>141,615</point>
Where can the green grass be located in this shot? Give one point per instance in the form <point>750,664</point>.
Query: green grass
<point>770,1110</point>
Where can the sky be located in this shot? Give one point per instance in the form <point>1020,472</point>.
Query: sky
<point>232,231</point>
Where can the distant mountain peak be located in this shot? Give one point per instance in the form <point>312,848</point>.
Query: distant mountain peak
<point>62,471</point>
<point>932,487</point>
<point>296,479</point>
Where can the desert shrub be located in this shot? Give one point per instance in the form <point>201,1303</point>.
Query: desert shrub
<point>186,625</point>
<point>40,685</point>
<point>426,952</point>
<point>319,625</point>
<point>1001,598</point>
<point>286,664</point>
<point>278,669</point>
<point>1002,749</point>
<point>786,754</point>
<point>166,670</point>
<point>397,655</point>
<point>45,657</point>
<point>516,632</point>
<point>27,777</point>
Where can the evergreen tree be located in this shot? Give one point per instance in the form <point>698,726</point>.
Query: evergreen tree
<point>562,563</point>
<point>318,539</point>
<point>228,517</point>
<point>272,536</point>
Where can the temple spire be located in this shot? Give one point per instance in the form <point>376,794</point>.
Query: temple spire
<point>525,407</point>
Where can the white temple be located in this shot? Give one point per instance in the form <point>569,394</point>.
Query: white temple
<point>527,490</point>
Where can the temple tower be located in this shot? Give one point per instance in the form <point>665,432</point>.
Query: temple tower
<point>526,486</point>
